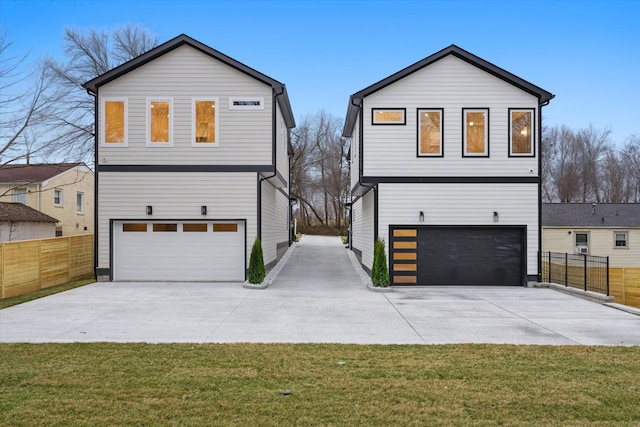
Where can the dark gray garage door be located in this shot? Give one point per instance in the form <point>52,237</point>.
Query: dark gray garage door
<point>457,255</point>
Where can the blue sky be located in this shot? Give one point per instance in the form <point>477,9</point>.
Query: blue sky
<point>585,52</point>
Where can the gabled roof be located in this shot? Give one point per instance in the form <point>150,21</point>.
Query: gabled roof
<point>622,215</point>
<point>17,212</point>
<point>355,100</point>
<point>23,173</point>
<point>279,88</point>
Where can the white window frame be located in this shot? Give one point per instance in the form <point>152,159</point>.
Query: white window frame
<point>103,119</point>
<point>234,99</point>
<point>419,130</point>
<point>148,121</point>
<point>465,111</point>
<point>532,132</point>
<point>80,203</point>
<point>18,194</point>
<point>217,122</point>
<point>626,239</point>
<point>575,238</point>
<point>57,191</point>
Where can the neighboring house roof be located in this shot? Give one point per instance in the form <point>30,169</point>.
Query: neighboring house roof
<point>279,88</point>
<point>591,215</point>
<point>17,212</point>
<point>355,100</point>
<point>23,173</point>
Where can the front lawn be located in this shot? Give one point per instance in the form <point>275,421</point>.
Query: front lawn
<point>275,384</point>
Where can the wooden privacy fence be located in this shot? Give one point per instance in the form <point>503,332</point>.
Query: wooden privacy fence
<point>30,265</point>
<point>624,285</point>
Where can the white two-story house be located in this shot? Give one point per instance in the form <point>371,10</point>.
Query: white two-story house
<point>192,165</point>
<point>445,168</point>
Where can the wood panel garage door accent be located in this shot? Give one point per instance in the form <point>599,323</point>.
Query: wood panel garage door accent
<point>179,251</point>
<point>457,255</point>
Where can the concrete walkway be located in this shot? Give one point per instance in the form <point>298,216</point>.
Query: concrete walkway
<point>317,298</point>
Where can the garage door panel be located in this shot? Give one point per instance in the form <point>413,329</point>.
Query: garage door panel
<point>179,252</point>
<point>462,255</point>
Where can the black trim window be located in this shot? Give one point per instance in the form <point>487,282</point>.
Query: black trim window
<point>430,132</point>
<point>521,132</point>
<point>389,116</point>
<point>475,131</point>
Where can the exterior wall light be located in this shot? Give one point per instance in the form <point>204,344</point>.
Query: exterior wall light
<point>203,210</point>
<point>149,210</point>
<point>496,218</point>
<point>421,216</point>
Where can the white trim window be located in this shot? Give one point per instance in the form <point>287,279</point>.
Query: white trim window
<point>521,133</point>
<point>475,128</point>
<point>115,122</point>
<point>620,240</point>
<point>159,122</point>
<point>204,125</point>
<point>57,197</point>
<point>246,103</point>
<point>581,240</point>
<point>19,195</point>
<point>80,202</point>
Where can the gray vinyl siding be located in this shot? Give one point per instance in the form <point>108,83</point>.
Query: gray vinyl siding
<point>462,204</point>
<point>601,243</point>
<point>451,84</point>
<point>245,136</point>
<point>362,234</point>
<point>275,224</point>
<point>355,153</point>
<point>174,196</point>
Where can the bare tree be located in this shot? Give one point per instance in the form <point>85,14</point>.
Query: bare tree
<point>89,54</point>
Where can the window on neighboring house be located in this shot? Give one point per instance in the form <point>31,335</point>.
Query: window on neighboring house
<point>20,195</point>
<point>114,113</point>
<point>582,240</point>
<point>80,202</point>
<point>205,119</point>
<point>521,133</point>
<point>57,197</point>
<point>475,132</point>
<point>388,116</point>
<point>621,239</point>
<point>159,124</point>
<point>430,132</point>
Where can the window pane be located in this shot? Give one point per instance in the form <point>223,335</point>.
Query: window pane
<point>57,197</point>
<point>581,239</point>
<point>194,227</point>
<point>114,122</point>
<point>229,228</point>
<point>205,121</point>
<point>621,240</point>
<point>521,132</point>
<point>165,227</point>
<point>127,228</point>
<point>476,132</point>
<point>20,195</point>
<point>159,121</point>
<point>395,117</point>
<point>80,202</point>
<point>430,132</point>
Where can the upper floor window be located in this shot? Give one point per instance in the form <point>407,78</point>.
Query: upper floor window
<point>521,132</point>
<point>475,132</point>
<point>20,195</point>
<point>388,116</point>
<point>620,239</point>
<point>205,119</point>
<point>430,132</point>
<point>114,114</point>
<point>159,122</point>
<point>242,103</point>
<point>57,197</point>
<point>80,202</point>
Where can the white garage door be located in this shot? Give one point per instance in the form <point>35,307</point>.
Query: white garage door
<point>179,251</point>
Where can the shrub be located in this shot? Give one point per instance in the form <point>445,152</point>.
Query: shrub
<point>379,272</point>
<point>256,271</point>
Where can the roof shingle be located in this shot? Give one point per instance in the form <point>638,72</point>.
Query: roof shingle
<point>17,212</point>
<point>22,173</point>
<point>591,214</point>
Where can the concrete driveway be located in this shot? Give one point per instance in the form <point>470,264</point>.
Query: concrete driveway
<point>317,297</point>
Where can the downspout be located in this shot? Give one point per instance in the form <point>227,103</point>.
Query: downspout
<point>539,273</point>
<point>95,189</point>
<point>38,195</point>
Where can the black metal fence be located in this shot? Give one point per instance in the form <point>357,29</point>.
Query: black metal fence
<point>586,272</point>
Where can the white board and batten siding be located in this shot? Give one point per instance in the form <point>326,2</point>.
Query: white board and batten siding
<point>461,204</point>
<point>451,84</point>
<point>362,232</point>
<point>174,196</point>
<point>275,221</point>
<point>245,135</point>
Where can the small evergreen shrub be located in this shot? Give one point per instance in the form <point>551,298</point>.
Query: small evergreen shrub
<point>256,271</point>
<point>379,271</point>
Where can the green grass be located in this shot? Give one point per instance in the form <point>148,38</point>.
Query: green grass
<point>243,384</point>
<point>8,302</point>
